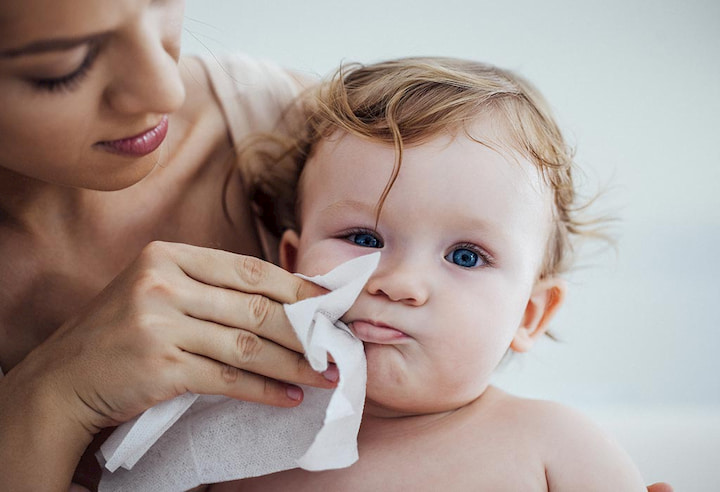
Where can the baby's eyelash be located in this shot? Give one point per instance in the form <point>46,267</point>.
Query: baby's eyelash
<point>70,81</point>
<point>351,235</point>
<point>486,257</point>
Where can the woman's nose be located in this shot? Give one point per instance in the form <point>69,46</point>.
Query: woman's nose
<point>147,77</point>
<point>403,281</point>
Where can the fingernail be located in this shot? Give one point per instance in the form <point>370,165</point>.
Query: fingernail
<point>331,373</point>
<point>294,393</point>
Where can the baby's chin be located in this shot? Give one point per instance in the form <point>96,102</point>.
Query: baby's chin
<point>396,388</point>
<point>392,402</point>
<point>387,398</point>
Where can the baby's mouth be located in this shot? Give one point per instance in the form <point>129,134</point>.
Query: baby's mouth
<point>376,332</point>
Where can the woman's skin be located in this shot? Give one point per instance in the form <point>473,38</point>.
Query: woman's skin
<point>105,308</point>
<point>98,319</point>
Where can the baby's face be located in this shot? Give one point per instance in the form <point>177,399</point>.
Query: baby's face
<point>462,234</point>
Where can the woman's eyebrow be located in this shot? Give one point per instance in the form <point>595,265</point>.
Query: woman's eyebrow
<point>48,45</point>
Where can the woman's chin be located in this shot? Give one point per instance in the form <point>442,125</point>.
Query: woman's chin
<point>124,177</point>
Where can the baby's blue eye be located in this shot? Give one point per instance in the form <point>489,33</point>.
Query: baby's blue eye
<point>464,257</point>
<point>365,239</point>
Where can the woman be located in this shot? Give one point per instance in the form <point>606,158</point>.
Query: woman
<point>108,145</point>
<point>126,234</point>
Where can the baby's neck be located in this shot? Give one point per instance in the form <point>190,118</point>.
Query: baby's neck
<point>438,408</point>
<point>387,422</point>
<point>381,427</point>
<point>376,430</point>
<point>373,411</point>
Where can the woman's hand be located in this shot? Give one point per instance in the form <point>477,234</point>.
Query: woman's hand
<point>181,318</point>
<point>660,487</point>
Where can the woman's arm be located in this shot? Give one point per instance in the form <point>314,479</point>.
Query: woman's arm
<point>180,318</point>
<point>41,439</point>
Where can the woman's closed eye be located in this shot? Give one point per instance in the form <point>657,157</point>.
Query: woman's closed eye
<point>364,238</point>
<point>72,79</point>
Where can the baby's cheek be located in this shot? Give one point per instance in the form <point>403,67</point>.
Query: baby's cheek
<point>386,370</point>
<point>315,264</point>
<point>322,257</point>
<point>465,366</point>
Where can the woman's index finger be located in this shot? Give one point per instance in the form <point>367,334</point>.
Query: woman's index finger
<point>284,286</point>
<point>242,273</point>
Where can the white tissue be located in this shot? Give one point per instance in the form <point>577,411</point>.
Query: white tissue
<point>197,439</point>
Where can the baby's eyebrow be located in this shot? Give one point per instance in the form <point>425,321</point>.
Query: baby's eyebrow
<point>344,206</point>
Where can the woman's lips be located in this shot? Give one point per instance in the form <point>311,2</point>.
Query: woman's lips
<point>375,332</point>
<point>138,145</point>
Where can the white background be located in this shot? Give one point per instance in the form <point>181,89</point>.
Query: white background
<point>636,87</point>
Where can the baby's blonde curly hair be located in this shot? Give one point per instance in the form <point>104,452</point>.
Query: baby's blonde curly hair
<point>408,101</point>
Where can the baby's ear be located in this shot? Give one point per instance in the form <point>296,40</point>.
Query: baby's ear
<point>288,249</point>
<point>545,299</point>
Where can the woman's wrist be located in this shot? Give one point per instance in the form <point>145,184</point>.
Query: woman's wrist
<point>42,436</point>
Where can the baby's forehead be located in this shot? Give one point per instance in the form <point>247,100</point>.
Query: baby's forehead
<point>491,133</point>
<point>454,167</point>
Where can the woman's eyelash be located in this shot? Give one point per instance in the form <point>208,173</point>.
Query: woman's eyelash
<point>69,81</point>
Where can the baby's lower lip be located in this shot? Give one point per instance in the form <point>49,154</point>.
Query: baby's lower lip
<point>372,332</point>
<point>138,145</point>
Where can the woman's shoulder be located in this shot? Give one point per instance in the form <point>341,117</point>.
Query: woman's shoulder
<point>236,98</point>
<point>251,93</point>
<point>227,100</point>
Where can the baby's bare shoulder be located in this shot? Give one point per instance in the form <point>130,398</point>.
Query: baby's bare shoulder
<point>575,452</point>
<point>506,411</point>
<point>540,417</point>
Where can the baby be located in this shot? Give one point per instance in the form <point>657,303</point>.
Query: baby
<point>458,174</point>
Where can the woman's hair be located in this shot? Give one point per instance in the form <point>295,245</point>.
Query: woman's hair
<point>408,101</point>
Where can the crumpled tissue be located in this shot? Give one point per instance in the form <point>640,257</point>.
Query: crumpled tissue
<point>197,439</point>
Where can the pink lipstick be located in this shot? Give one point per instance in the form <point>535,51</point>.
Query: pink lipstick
<point>138,145</point>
